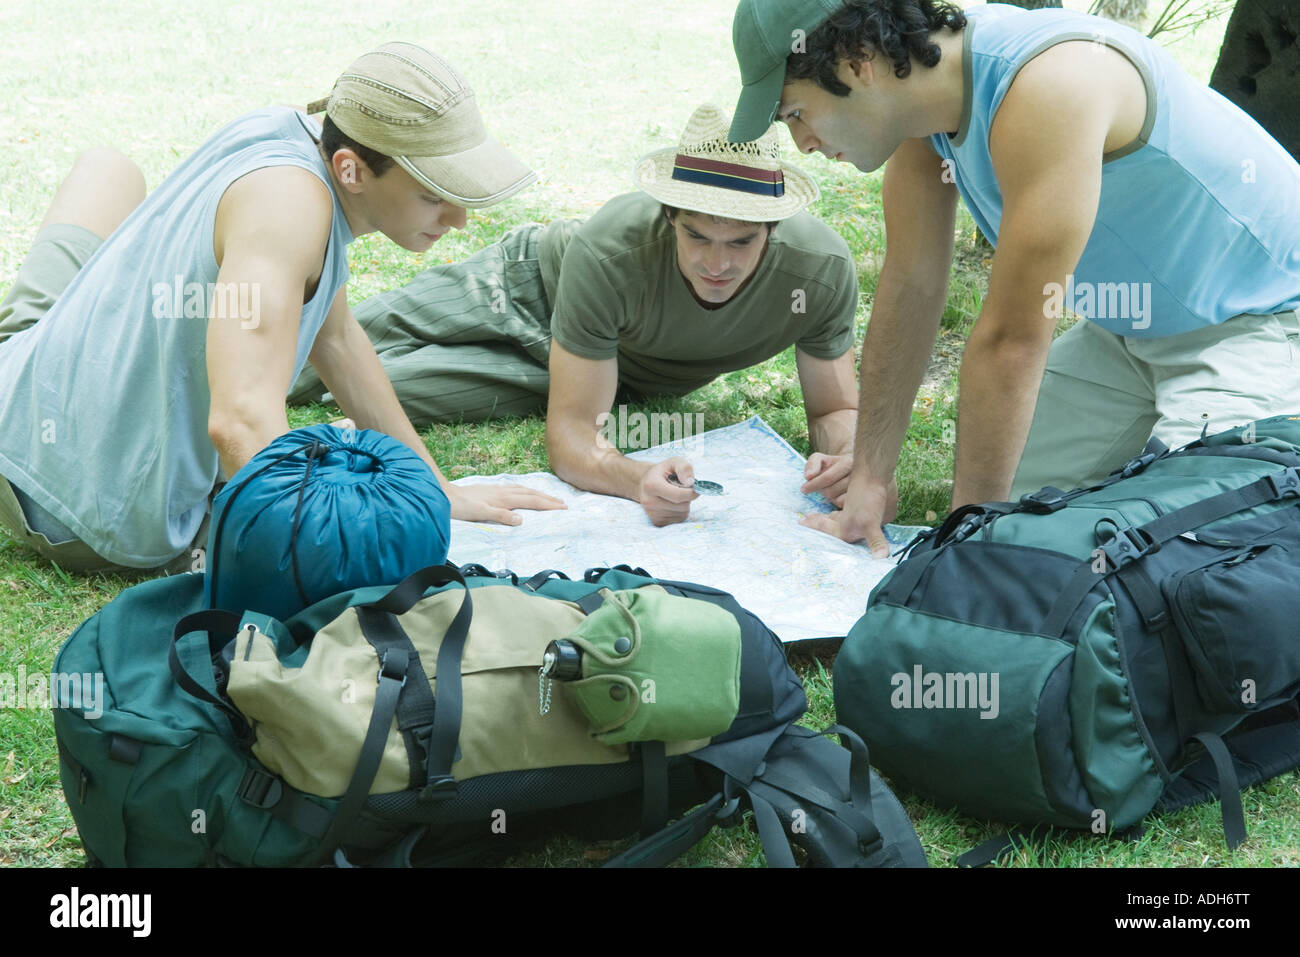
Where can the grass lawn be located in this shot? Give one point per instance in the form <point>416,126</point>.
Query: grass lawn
<point>578,88</point>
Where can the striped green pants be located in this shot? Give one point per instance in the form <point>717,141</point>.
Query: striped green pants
<point>466,341</point>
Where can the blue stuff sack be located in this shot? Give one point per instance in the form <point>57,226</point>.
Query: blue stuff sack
<point>319,511</point>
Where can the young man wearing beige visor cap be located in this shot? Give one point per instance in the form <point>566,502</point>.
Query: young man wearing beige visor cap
<point>712,266</point>
<point>147,343</point>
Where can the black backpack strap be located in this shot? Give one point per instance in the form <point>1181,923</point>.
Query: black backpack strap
<point>415,706</point>
<point>223,623</point>
<point>1268,488</point>
<point>825,798</point>
<point>444,733</point>
<point>1234,818</point>
<point>541,578</point>
<point>392,676</point>
<point>394,668</point>
<point>1134,542</point>
<point>679,837</point>
<point>998,847</point>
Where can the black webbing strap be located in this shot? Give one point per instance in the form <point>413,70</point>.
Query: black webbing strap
<point>856,811</point>
<point>589,603</point>
<point>262,789</point>
<point>403,596</point>
<point>1234,818</point>
<point>445,733</point>
<point>225,623</point>
<point>654,787</point>
<point>1269,488</point>
<point>677,838</point>
<point>542,578</point>
<point>1051,499</point>
<point>415,706</point>
<point>995,848</point>
<point>1132,543</point>
<point>859,764</point>
<point>1146,596</point>
<point>776,845</point>
<point>392,675</point>
<point>1155,616</point>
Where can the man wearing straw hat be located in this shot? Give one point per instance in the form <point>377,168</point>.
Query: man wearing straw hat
<point>147,342</point>
<point>712,267</point>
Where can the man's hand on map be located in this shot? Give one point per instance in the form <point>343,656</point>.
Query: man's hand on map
<point>495,503</point>
<point>666,501</point>
<point>868,505</point>
<point>828,474</point>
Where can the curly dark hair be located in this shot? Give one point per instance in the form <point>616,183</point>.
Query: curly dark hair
<point>900,29</point>
<point>333,139</point>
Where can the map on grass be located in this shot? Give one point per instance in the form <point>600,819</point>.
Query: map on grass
<point>747,541</point>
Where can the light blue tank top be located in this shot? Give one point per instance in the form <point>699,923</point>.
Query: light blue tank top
<point>1201,212</point>
<point>104,401</point>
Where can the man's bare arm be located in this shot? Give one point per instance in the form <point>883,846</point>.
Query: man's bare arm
<point>920,208</point>
<point>269,239</point>
<point>830,400</point>
<point>350,369</point>
<point>581,390</point>
<point>1047,143</point>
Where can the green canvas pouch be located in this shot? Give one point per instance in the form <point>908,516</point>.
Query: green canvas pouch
<point>657,667</point>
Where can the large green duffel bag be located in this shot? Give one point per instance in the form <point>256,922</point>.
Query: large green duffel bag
<point>425,723</point>
<point>1078,658</point>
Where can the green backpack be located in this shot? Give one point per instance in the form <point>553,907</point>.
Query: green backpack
<point>1077,658</point>
<point>451,719</point>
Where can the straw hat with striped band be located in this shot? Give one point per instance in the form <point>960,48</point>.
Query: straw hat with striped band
<point>705,173</point>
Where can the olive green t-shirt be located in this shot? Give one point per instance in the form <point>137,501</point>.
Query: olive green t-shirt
<point>619,293</point>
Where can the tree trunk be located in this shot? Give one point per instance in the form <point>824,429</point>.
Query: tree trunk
<point>1124,11</point>
<point>1259,66</point>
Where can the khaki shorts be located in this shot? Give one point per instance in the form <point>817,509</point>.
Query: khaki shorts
<point>57,254</point>
<point>1104,395</point>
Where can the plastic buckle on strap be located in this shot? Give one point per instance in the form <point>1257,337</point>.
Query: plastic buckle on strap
<point>1128,545</point>
<point>1044,501</point>
<point>967,527</point>
<point>1284,483</point>
<point>869,848</point>
<point>397,669</point>
<point>1133,466</point>
<point>260,788</point>
<point>440,788</point>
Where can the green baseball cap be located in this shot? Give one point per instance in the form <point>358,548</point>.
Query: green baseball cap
<point>764,34</point>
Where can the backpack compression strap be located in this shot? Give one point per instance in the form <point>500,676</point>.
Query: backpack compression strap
<point>396,654</point>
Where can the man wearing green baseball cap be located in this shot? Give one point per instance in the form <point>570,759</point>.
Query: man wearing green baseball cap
<point>147,343</point>
<point>1112,186</point>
